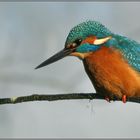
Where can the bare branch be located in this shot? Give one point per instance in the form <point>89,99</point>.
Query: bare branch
<point>56,97</point>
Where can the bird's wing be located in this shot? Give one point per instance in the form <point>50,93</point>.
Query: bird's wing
<point>130,50</point>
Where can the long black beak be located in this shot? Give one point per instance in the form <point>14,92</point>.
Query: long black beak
<point>56,57</point>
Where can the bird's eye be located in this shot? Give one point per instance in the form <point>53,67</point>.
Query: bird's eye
<point>77,42</point>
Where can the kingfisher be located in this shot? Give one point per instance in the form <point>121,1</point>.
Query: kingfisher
<point>111,61</point>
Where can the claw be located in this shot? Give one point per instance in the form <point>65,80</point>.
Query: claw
<point>107,99</point>
<point>124,98</point>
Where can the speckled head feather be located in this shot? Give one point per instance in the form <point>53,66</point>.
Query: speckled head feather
<point>86,29</point>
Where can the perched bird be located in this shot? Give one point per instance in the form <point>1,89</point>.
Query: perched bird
<point>111,61</point>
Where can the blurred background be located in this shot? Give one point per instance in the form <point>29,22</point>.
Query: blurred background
<point>30,32</point>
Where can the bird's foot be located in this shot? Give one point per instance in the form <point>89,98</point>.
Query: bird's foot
<point>107,99</point>
<point>124,98</point>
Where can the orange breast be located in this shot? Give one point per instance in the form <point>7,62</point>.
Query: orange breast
<point>109,72</point>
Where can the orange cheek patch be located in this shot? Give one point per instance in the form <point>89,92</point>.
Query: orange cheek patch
<point>89,40</point>
<point>80,55</point>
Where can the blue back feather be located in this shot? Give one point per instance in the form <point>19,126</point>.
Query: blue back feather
<point>130,50</point>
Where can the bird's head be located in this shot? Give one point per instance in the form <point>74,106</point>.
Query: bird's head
<point>83,39</point>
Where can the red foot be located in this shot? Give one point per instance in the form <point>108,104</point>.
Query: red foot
<point>124,98</point>
<point>107,99</point>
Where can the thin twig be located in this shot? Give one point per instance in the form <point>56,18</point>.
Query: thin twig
<point>56,97</point>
